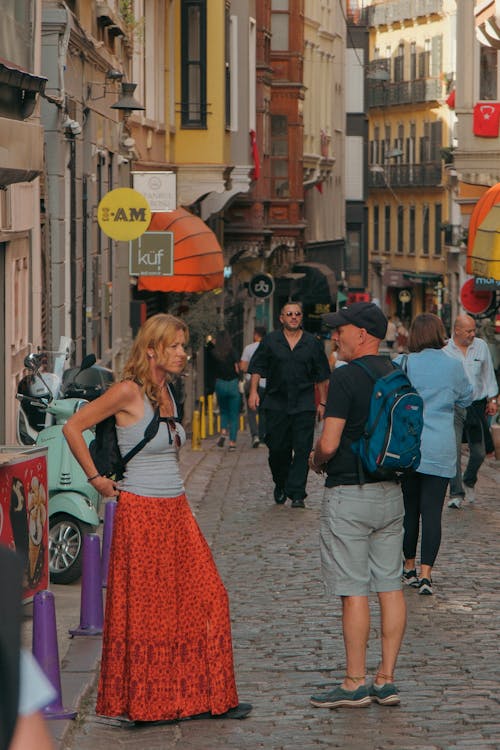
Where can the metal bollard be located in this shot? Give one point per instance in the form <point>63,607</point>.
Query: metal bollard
<point>242,423</point>
<point>203,421</point>
<point>210,413</point>
<point>195,437</point>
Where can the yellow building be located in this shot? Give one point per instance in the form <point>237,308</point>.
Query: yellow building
<point>409,77</point>
<point>200,142</point>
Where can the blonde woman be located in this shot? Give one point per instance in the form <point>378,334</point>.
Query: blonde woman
<point>167,651</point>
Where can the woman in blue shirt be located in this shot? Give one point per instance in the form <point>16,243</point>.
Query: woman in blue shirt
<point>441,385</point>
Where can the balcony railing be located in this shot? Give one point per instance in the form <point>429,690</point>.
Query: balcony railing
<point>406,175</point>
<point>402,10</point>
<point>385,94</point>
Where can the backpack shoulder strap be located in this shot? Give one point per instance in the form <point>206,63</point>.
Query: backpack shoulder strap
<point>149,434</point>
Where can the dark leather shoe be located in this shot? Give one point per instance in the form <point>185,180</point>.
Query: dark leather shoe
<point>279,495</point>
<point>298,504</point>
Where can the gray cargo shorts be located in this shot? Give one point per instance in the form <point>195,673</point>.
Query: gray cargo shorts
<point>361,538</point>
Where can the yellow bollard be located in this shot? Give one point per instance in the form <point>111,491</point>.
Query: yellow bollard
<point>210,413</point>
<point>242,423</point>
<point>195,438</point>
<point>218,423</point>
<point>203,420</point>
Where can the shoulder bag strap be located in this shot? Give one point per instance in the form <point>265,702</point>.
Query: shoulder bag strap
<point>149,434</point>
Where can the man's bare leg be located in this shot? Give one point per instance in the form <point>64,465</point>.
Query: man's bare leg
<point>393,625</point>
<point>356,627</point>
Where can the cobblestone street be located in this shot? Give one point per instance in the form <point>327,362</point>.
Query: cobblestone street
<point>287,634</point>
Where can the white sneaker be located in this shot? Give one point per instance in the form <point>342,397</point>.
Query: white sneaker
<point>454,502</point>
<point>470,495</point>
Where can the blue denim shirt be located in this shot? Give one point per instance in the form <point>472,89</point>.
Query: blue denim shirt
<point>442,383</point>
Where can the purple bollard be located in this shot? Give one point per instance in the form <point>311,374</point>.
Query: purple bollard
<point>107,535</point>
<point>46,652</point>
<point>91,609</point>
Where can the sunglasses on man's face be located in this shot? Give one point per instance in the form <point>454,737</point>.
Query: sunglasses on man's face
<point>293,314</point>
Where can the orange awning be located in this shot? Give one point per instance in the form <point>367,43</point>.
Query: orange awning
<point>198,257</point>
<point>483,246</point>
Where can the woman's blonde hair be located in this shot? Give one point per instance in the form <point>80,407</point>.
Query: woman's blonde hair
<point>157,333</point>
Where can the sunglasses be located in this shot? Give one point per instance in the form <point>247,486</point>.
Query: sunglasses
<point>293,314</point>
<point>172,430</point>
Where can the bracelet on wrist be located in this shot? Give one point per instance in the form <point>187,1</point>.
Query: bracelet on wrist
<point>91,479</point>
<point>321,403</point>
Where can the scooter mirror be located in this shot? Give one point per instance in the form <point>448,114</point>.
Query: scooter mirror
<point>87,362</point>
<point>32,361</point>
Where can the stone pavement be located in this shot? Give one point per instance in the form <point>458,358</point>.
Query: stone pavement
<point>287,634</point>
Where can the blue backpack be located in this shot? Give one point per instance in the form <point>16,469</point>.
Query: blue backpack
<point>390,444</point>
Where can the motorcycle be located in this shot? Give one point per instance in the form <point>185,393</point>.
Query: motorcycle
<point>46,402</point>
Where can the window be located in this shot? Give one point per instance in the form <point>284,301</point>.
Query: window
<point>413,61</point>
<point>387,229</point>
<point>488,73</point>
<point>280,185</point>
<point>280,22</point>
<point>411,231</point>
<point>425,229</point>
<point>353,251</point>
<point>399,64</point>
<point>194,64</point>
<point>438,234</point>
<point>424,61</point>
<point>400,230</point>
<point>376,229</point>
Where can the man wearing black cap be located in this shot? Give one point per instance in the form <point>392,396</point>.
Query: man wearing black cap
<point>361,531</point>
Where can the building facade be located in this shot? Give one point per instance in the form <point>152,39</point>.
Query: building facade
<point>410,74</point>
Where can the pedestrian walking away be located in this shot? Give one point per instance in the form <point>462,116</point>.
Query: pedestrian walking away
<point>293,361</point>
<point>442,385</point>
<point>223,373</point>
<point>472,423</point>
<point>256,417</point>
<point>361,525</point>
<point>167,651</point>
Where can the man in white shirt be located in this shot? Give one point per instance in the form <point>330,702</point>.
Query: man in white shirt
<point>256,427</point>
<point>475,356</point>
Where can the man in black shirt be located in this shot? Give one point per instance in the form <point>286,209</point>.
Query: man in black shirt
<point>361,524</point>
<point>292,361</point>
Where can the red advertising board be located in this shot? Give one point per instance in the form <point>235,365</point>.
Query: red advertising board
<point>24,522</point>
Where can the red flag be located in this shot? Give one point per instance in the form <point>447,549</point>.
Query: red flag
<point>319,187</point>
<point>450,101</point>
<point>255,155</point>
<point>486,121</point>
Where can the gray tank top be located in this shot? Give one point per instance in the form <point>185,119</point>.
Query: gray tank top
<point>154,471</point>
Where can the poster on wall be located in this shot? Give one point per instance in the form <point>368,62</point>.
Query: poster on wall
<point>24,519</point>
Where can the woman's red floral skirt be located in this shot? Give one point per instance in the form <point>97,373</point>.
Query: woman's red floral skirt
<point>167,650</point>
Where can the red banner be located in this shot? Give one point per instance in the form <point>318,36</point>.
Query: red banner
<point>24,524</point>
<point>486,120</point>
<point>255,155</point>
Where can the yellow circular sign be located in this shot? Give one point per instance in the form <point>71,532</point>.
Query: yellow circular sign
<point>123,214</point>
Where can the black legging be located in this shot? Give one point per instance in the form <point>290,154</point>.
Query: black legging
<point>423,496</point>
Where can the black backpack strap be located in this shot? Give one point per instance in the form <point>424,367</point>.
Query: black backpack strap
<point>149,434</point>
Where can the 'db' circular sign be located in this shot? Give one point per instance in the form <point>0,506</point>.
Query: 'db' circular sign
<point>261,285</point>
<point>123,214</point>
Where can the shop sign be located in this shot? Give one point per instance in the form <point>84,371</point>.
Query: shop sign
<point>475,302</point>
<point>159,189</point>
<point>123,214</point>
<point>152,254</point>
<point>481,283</point>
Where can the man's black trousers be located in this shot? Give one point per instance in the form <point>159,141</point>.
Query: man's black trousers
<point>289,438</point>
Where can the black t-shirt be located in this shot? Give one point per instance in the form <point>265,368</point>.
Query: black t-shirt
<point>349,397</point>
